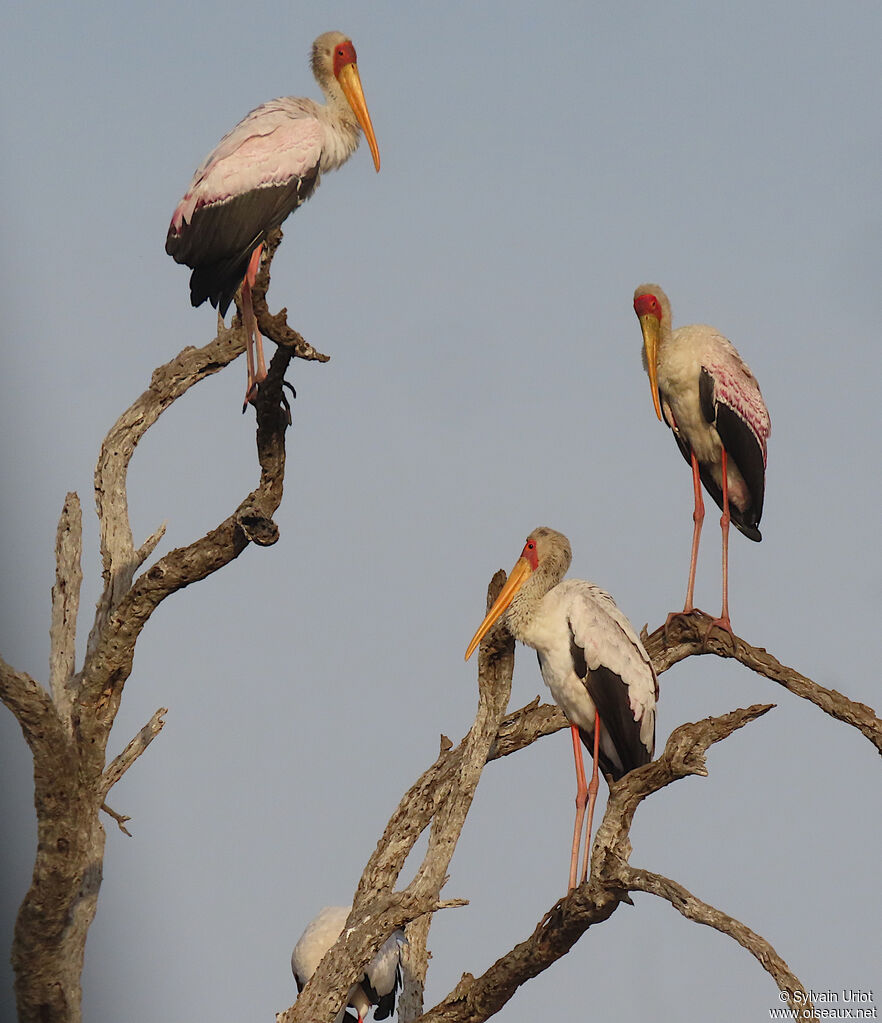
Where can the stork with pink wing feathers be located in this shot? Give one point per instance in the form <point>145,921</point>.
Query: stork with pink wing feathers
<point>706,393</point>
<point>261,171</point>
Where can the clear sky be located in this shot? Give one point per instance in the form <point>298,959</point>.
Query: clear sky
<point>538,163</point>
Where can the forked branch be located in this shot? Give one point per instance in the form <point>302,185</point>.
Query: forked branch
<point>476,999</point>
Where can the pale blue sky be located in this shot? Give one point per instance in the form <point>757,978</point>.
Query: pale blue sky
<point>475,297</point>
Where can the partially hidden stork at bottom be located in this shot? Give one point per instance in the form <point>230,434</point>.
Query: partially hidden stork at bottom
<point>591,659</point>
<point>706,393</point>
<point>382,977</point>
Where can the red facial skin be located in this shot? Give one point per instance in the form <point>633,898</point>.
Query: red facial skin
<point>644,304</point>
<point>529,552</point>
<point>343,54</point>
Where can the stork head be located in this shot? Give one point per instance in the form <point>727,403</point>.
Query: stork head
<point>334,54</point>
<point>654,312</point>
<point>543,563</point>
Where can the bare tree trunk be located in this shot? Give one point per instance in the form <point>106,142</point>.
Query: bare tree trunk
<point>67,724</point>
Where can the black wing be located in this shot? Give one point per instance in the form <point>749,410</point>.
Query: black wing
<point>745,450</point>
<point>218,242</point>
<point>385,1004</point>
<point>741,446</point>
<point>610,696</point>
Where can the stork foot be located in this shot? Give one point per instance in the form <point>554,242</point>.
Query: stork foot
<point>286,405</point>
<point>721,623</point>
<point>546,920</point>
<point>250,396</point>
<point>253,388</point>
<point>674,615</point>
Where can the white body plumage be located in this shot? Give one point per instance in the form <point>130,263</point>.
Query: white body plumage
<point>382,975</point>
<point>591,658</point>
<point>578,613</point>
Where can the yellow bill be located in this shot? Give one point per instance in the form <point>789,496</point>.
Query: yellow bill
<point>350,82</point>
<point>517,577</point>
<point>650,326</point>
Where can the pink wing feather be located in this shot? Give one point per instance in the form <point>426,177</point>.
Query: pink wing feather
<point>275,142</point>
<point>257,174</point>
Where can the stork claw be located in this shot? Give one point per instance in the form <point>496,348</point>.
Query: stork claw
<point>721,623</point>
<point>685,613</point>
<point>286,405</point>
<point>254,387</point>
<point>250,395</point>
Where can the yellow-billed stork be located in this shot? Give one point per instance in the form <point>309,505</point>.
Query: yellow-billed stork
<point>592,661</point>
<point>261,171</point>
<point>381,979</point>
<point>706,393</point>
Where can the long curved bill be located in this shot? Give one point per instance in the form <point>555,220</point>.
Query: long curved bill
<point>350,83</point>
<point>518,575</point>
<point>650,327</point>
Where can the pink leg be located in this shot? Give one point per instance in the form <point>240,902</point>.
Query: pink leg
<point>592,798</point>
<point>698,520</point>
<point>723,620</point>
<point>247,323</point>
<point>724,526</point>
<point>252,334</point>
<point>251,277</point>
<point>581,800</point>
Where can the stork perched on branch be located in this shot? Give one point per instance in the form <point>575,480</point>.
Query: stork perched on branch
<point>261,171</point>
<point>592,661</point>
<point>706,393</point>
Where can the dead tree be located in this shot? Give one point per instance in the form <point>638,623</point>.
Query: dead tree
<point>67,725</point>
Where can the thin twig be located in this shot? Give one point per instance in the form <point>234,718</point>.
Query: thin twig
<point>275,327</point>
<point>149,545</point>
<point>120,818</point>
<point>130,754</point>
